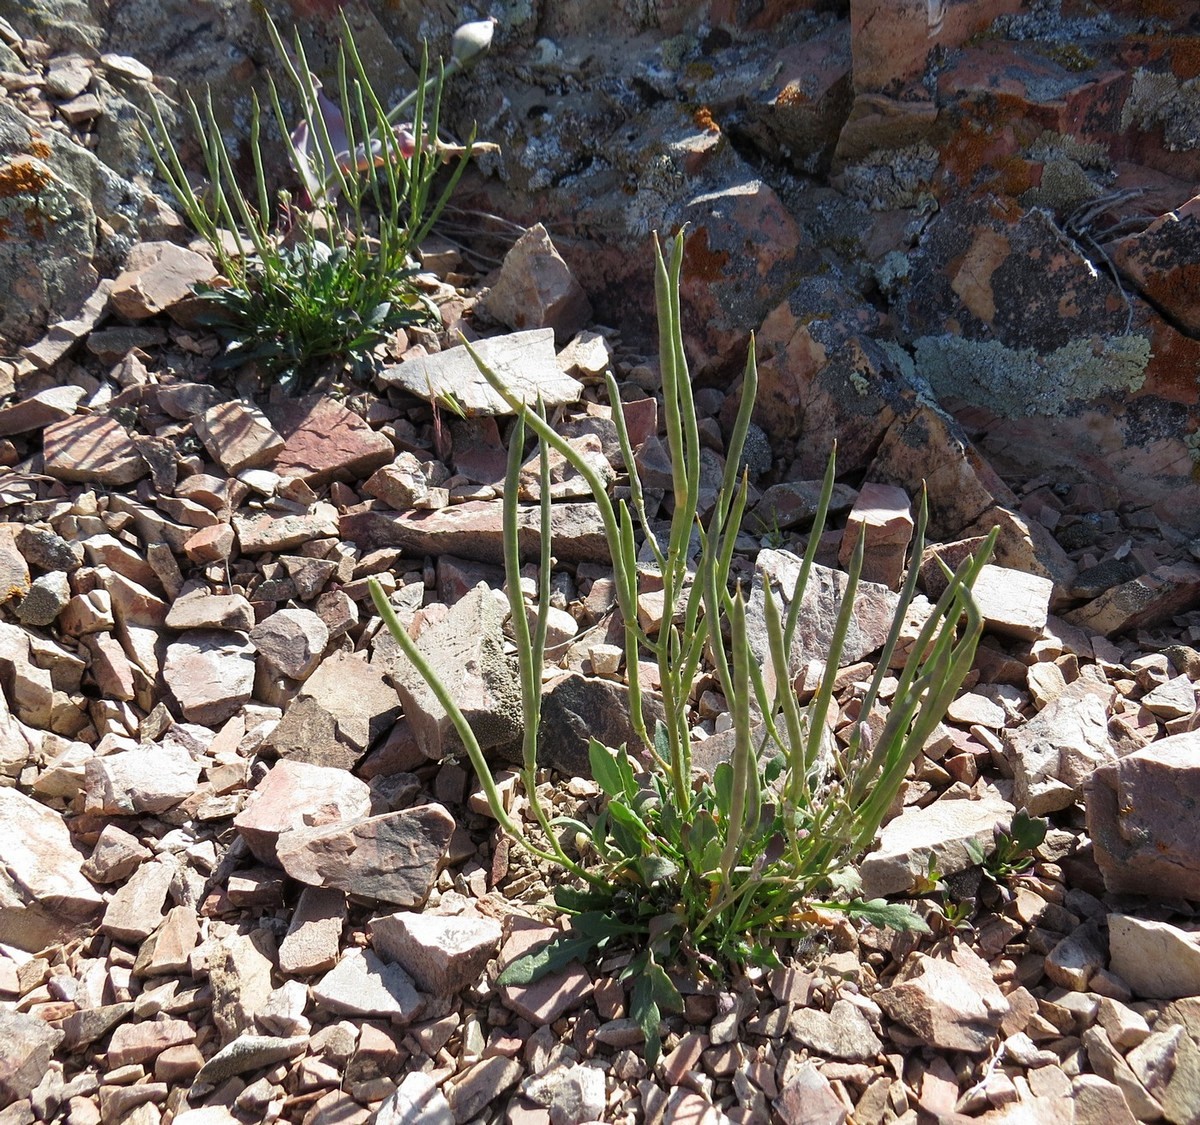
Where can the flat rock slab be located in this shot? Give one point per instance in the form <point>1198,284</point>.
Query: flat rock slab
<point>551,996</point>
<point>43,895</point>
<point>940,832</point>
<point>1141,817</point>
<point>148,779</point>
<point>362,985</point>
<point>1012,602</point>
<point>443,953</point>
<point>27,1045</point>
<point>324,441</point>
<point>1142,603</point>
<point>474,530</point>
<point>246,1053</point>
<point>393,858</point>
<point>40,410</point>
<point>238,436</point>
<point>524,361</point>
<point>298,795</point>
<point>92,449</point>
<point>157,276</point>
<point>210,673</point>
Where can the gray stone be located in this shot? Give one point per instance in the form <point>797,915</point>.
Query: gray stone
<point>247,1053</point>
<point>150,779</point>
<point>416,1101</point>
<point>841,1033</point>
<point>524,361</point>
<point>239,972</point>
<point>442,953</point>
<point>292,641</point>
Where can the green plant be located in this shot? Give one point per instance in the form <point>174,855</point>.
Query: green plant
<point>1013,848</point>
<point>326,275</point>
<point>712,872</point>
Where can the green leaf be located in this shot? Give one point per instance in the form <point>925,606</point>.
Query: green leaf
<point>655,869</point>
<point>605,769</point>
<point>723,787</point>
<point>1028,832</point>
<point>644,1009</point>
<point>976,852</point>
<point>578,901</point>
<point>893,915</point>
<point>555,954</point>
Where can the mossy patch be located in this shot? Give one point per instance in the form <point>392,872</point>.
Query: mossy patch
<point>1020,382</point>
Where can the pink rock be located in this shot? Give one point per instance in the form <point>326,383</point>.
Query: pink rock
<point>442,953</point>
<point>324,441</point>
<point>882,516</point>
<point>157,276</point>
<point>202,610</point>
<point>536,289</point>
<point>39,410</point>
<point>210,544</point>
<point>258,534</point>
<point>210,673</point>
<point>237,436</point>
<point>1143,602</point>
<point>292,640</point>
<point>297,795</point>
<point>14,571</point>
<point>92,448</point>
<point>314,935</point>
<point>554,994</point>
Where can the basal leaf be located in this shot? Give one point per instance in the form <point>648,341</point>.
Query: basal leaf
<point>894,915</point>
<point>605,769</point>
<point>555,954</point>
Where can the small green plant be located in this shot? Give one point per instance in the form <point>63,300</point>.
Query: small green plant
<point>704,872</point>
<point>1013,848</point>
<point>327,275</point>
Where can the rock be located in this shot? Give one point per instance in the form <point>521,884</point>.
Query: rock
<point>794,504</point>
<point>92,448</point>
<point>466,652</point>
<point>571,1091</point>
<point>1099,1102</point>
<point>1109,1063</point>
<point>1158,263</point>
<point>292,641</point>
<point>809,1099</point>
<point>170,947</point>
<point>27,1045</point>
<point>46,598</point>
<point>237,436</point>
<point>951,1005</point>
<point>442,953</point>
<point>324,441</point>
<point>566,482</point>
<point>1013,604</point>
<point>43,895</point>
<point>314,935</point>
<point>258,534</point>
<point>524,361</point>
<point>239,972</point>
<point>244,1054</point>
<point>1168,1065</point>
<point>1157,960</point>
<point>550,996</point>
<point>44,408</point>
<point>1142,603</point>
<point>536,289</point>
<point>342,709</point>
<point>1055,754</point>
<point>841,1033</point>
<point>136,910</point>
<point>1077,958</point>
<point>480,1084</point>
<point>362,985</point>
<point>210,611</point>
<point>157,276</point>
<point>881,514</point>
<point>298,795</point>
<point>14,571</point>
<point>406,482</point>
<point>150,779</point>
<point>939,833</point>
<point>417,1100</point>
<point>1141,843</point>
<point>115,857</point>
<point>143,1042</point>
<point>473,530</point>
<point>210,673</point>
<point>874,609</point>
<point>393,857</point>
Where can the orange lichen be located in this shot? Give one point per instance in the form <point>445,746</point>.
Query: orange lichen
<point>22,176</point>
<point>792,95</point>
<point>704,119</point>
<point>700,263</point>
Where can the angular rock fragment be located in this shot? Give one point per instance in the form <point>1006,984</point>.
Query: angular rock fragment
<point>536,289</point>
<point>157,276</point>
<point>841,1033</point>
<point>92,448</point>
<point>210,673</point>
<point>43,895</point>
<point>1055,754</point>
<point>40,410</point>
<point>394,857</point>
<point>292,641</point>
<point>466,650</point>
<point>136,910</point>
<point>237,436</point>
<point>1013,603</point>
<point>298,795</point>
<point>442,953</point>
<point>244,1054</point>
<point>939,834</point>
<point>524,361</point>
<point>951,1005</point>
<point>27,1045</point>
<point>1157,960</point>
<point>314,935</point>
<point>1143,602</point>
<point>1143,843</point>
<point>324,441</point>
<point>882,516</point>
<point>150,779</point>
<point>362,985</point>
<point>239,972</point>
<point>257,534</point>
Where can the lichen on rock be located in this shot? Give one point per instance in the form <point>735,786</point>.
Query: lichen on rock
<point>1017,382</point>
<point>1164,101</point>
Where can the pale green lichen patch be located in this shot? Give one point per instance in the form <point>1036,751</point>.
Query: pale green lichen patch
<point>1192,441</point>
<point>1163,100</point>
<point>1013,382</point>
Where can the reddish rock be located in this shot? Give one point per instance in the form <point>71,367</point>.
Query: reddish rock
<point>393,858</point>
<point>550,996</point>
<point>157,276</point>
<point>258,534</point>
<point>442,953</point>
<point>92,448</point>
<point>210,544</point>
<point>14,571</point>
<point>27,1045</point>
<point>1143,602</point>
<point>210,673</point>
<point>324,441</point>
<point>536,289</point>
<point>237,436</point>
<point>314,934</point>
<point>882,516</point>
<point>297,795</point>
<point>1160,262</point>
<point>39,410</point>
<point>292,641</point>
